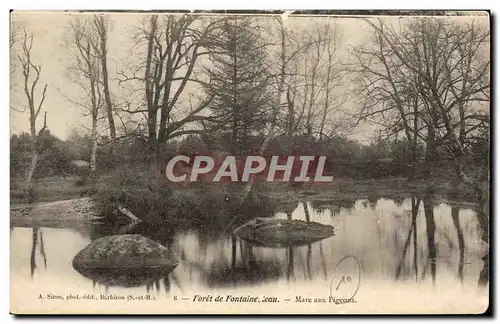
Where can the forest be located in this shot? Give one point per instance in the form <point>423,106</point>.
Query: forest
<point>263,85</point>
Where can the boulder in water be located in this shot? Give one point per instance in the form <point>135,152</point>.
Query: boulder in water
<point>124,260</point>
<point>275,232</point>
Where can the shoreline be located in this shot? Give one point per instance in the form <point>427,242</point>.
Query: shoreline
<point>80,211</point>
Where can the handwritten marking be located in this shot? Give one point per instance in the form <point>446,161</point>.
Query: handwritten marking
<point>345,280</point>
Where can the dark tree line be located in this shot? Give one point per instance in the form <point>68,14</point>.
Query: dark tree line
<point>255,84</point>
<point>427,80</point>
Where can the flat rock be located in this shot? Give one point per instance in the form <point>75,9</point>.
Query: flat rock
<point>63,213</point>
<point>275,232</point>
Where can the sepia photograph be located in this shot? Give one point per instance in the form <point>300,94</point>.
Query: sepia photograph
<point>252,162</point>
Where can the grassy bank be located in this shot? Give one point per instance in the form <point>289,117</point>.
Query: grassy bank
<point>218,204</point>
<point>55,189</point>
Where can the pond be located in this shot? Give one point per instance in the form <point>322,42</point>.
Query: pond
<point>391,248</point>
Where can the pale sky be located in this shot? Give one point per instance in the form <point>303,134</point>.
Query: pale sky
<point>49,50</point>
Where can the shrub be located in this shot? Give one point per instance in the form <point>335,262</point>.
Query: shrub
<point>195,205</point>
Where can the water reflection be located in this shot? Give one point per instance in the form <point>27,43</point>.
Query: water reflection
<point>36,233</point>
<point>412,240</point>
<point>125,277</point>
<point>33,251</point>
<point>431,236</point>
<point>461,242</point>
<point>482,211</point>
<point>335,205</point>
<point>243,270</point>
<point>155,287</point>
<point>415,202</point>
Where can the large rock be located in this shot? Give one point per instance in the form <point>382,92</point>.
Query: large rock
<point>124,260</point>
<point>275,232</point>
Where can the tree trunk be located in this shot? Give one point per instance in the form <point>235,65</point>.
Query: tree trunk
<point>327,92</point>
<point>93,152</point>
<point>236,149</point>
<point>430,154</point>
<point>32,166</point>
<point>291,115</point>
<point>29,189</point>
<point>152,109</point>
<point>152,145</point>
<point>105,81</point>
<point>414,143</point>
<point>34,148</point>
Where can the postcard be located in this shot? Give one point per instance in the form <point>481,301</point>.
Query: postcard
<point>267,162</point>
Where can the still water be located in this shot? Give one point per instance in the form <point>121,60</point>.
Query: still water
<point>398,243</point>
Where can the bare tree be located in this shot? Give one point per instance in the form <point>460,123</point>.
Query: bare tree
<point>429,80</point>
<point>85,72</point>
<point>383,86</point>
<point>171,48</point>
<point>453,75</point>
<point>314,77</point>
<point>312,61</point>
<point>331,81</point>
<point>101,27</point>
<point>31,75</point>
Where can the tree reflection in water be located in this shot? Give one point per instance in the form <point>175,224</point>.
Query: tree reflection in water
<point>215,258</point>
<point>415,202</point>
<point>33,251</point>
<point>246,267</point>
<point>430,231</point>
<point>482,212</point>
<point>36,233</point>
<point>154,287</point>
<point>461,242</point>
<point>431,234</point>
<point>430,263</point>
<point>241,271</point>
<point>289,270</point>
